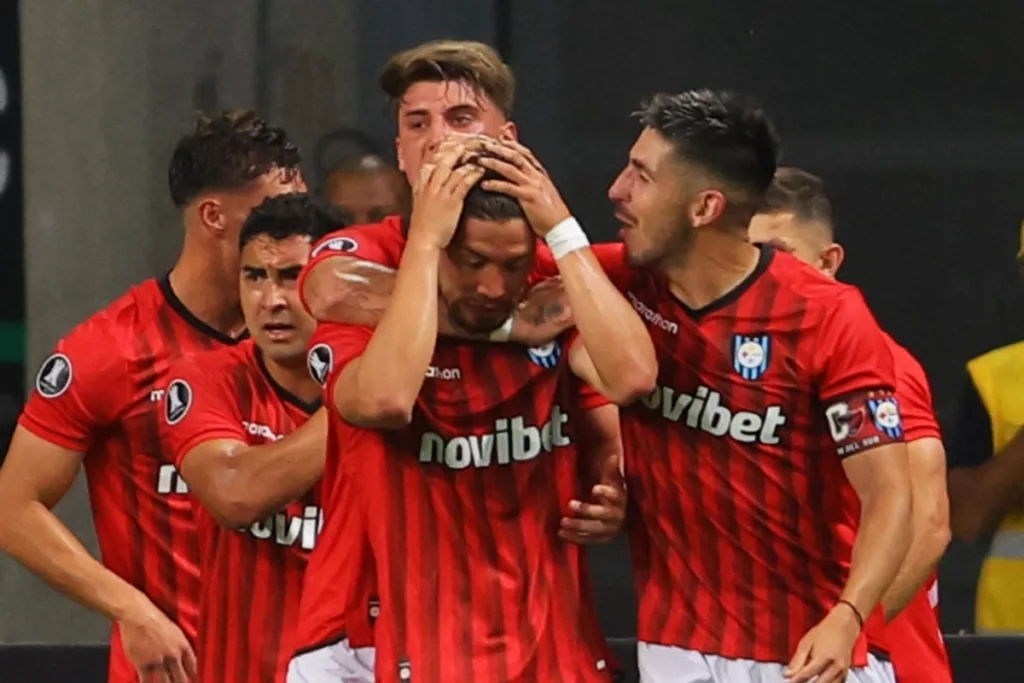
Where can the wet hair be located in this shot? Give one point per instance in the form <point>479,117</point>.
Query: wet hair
<point>227,151</point>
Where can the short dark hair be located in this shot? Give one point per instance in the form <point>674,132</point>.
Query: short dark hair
<point>227,151</point>
<point>451,60</point>
<point>803,194</point>
<point>289,215</point>
<point>489,205</point>
<point>723,132</point>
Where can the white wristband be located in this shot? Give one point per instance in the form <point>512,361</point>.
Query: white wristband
<point>566,237</point>
<point>504,332</point>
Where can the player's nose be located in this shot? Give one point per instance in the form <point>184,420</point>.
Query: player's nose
<point>619,190</point>
<point>491,285</point>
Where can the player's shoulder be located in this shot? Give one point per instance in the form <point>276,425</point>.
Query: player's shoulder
<point>109,329</point>
<point>800,281</point>
<point>909,370</point>
<point>219,361</point>
<point>389,234</point>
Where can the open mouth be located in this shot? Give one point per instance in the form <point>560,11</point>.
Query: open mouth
<point>278,330</point>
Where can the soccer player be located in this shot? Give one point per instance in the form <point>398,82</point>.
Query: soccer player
<point>797,218</point>
<point>226,412</point>
<point>775,396</point>
<point>97,403</point>
<point>467,453</point>
<point>367,189</point>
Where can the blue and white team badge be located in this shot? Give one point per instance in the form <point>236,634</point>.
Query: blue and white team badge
<point>750,355</point>
<point>546,356</point>
<point>886,414</point>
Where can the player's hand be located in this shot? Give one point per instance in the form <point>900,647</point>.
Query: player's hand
<point>826,650</point>
<point>542,315</point>
<point>600,519</point>
<point>527,181</point>
<point>439,192</point>
<point>157,647</point>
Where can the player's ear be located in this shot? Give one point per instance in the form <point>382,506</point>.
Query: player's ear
<point>398,154</point>
<point>831,258</point>
<point>706,208</point>
<point>211,215</point>
<point>509,132</point>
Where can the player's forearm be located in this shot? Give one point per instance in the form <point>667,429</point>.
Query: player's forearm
<point>927,545</point>
<point>250,483</point>
<point>615,336</point>
<point>392,368</point>
<point>883,539</point>
<point>35,537</point>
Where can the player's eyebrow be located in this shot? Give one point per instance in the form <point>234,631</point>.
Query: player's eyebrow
<point>254,270</point>
<point>461,109</point>
<point>290,272</point>
<point>640,166</point>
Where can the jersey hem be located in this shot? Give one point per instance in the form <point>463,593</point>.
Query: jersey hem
<point>195,441</point>
<point>40,431</point>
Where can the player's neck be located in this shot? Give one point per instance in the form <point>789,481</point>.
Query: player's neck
<point>208,292</point>
<point>293,378</point>
<point>714,265</point>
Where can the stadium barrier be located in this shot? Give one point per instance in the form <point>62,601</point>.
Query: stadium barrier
<point>976,659</point>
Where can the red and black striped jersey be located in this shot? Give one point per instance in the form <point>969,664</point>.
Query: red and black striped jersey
<point>252,577</point>
<point>741,535</point>
<point>462,508</point>
<point>99,394</point>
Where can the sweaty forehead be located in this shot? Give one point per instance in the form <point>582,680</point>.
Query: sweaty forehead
<point>652,150</point>
<point>438,96</point>
<point>266,252</point>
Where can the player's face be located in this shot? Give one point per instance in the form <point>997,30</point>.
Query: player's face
<point>431,110</point>
<point>273,313</point>
<point>367,197</point>
<point>483,272</point>
<point>649,197</point>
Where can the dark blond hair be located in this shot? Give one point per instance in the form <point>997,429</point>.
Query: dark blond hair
<point>475,63</point>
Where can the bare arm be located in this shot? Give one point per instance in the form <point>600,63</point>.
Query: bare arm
<point>35,476</point>
<point>981,497</point>
<point>620,349</point>
<point>983,486</point>
<point>929,523</point>
<point>599,517</point>
<point>620,354</point>
<point>881,479</point>
<point>352,291</point>
<point>379,389</point>
<point>240,484</point>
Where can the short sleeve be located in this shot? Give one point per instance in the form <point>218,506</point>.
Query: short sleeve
<point>915,398</point>
<point>611,256</point>
<point>856,377</point>
<point>852,353</point>
<point>199,406</point>
<point>379,243</point>
<point>331,349</point>
<point>971,442</point>
<point>80,388</point>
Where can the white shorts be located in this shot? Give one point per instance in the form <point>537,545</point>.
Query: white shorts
<point>664,664</point>
<point>334,663</point>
